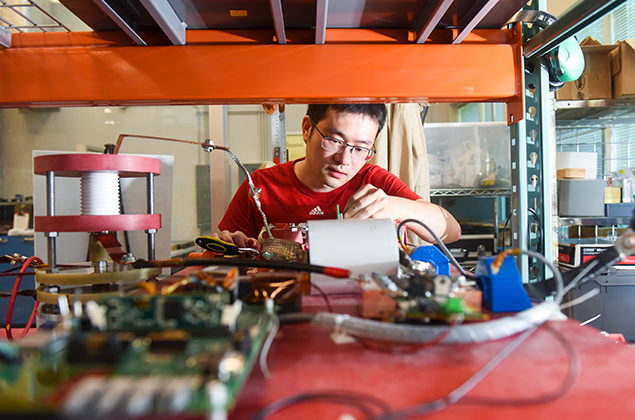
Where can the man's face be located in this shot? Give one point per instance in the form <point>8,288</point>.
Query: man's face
<point>330,170</point>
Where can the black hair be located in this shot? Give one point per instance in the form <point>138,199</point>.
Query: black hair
<point>377,112</point>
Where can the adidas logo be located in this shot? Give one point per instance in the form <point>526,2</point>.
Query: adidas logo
<point>316,211</point>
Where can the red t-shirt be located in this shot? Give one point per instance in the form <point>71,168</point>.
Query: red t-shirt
<point>285,199</point>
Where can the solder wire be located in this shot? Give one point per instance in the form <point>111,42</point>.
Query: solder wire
<point>208,146</point>
<point>254,192</point>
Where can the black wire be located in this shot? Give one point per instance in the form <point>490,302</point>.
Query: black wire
<point>25,292</point>
<point>442,403</point>
<point>540,226</point>
<point>324,296</point>
<point>126,238</point>
<point>567,384</point>
<point>10,269</point>
<point>440,243</point>
<point>26,273</point>
<point>365,403</point>
<point>505,228</point>
<point>419,410</point>
<point>540,231</point>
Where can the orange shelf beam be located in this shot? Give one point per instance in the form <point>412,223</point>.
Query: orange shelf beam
<point>215,67</point>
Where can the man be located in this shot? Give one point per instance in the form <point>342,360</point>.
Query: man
<point>339,140</point>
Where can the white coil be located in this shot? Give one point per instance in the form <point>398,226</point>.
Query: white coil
<point>100,193</point>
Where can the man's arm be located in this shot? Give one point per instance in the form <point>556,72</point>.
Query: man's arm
<point>237,225</point>
<point>370,202</point>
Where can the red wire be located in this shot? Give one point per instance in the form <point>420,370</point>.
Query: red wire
<point>31,319</point>
<point>14,295</point>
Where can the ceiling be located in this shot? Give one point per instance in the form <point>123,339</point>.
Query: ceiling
<point>171,17</point>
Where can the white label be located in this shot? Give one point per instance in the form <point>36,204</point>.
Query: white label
<point>21,221</point>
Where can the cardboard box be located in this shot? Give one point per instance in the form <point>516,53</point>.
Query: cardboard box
<point>575,254</point>
<point>623,69</point>
<point>596,80</point>
<point>571,173</point>
<point>580,160</point>
<point>613,195</point>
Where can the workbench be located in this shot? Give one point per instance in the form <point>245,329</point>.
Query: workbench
<point>303,359</point>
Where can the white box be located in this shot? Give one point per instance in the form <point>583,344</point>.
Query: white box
<point>583,160</point>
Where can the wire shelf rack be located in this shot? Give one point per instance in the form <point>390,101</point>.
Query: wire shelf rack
<point>27,16</point>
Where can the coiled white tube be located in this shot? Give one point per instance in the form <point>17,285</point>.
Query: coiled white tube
<point>99,193</point>
<point>418,334</point>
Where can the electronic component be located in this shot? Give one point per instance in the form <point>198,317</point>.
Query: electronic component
<point>153,354</point>
<point>190,311</point>
<point>100,204</point>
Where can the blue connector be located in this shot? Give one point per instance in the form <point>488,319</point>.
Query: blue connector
<point>502,292</point>
<point>431,254</point>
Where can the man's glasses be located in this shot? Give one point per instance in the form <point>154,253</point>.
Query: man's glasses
<point>336,145</point>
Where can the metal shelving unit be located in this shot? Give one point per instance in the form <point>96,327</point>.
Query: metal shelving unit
<point>612,222</point>
<point>421,51</point>
<point>490,193</point>
<point>594,221</point>
<point>28,16</point>
<point>470,192</point>
<point>598,112</point>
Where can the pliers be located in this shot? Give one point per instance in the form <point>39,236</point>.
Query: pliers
<point>221,247</point>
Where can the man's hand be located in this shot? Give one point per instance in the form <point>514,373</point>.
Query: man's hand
<point>370,202</point>
<point>237,238</point>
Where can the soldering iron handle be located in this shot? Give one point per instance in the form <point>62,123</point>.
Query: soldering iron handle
<point>242,262</point>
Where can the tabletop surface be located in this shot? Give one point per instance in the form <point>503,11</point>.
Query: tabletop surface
<point>532,382</point>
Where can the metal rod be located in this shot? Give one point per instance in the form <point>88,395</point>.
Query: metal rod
<point>150,202</point>
<point>278,20</point>
<point>427,22</point>
<point>475,21</point>
<point>167,19</point>
<point>119,21</point>
<point>321,14</point>
<point>51,248</point>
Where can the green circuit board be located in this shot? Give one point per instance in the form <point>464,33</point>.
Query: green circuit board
<point>158,355</point>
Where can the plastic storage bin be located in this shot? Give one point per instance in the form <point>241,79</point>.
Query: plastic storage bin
<point>468,155</point>
<point>614,304</point>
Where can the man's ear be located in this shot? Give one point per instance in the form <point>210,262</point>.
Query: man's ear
<point>306,128</point>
